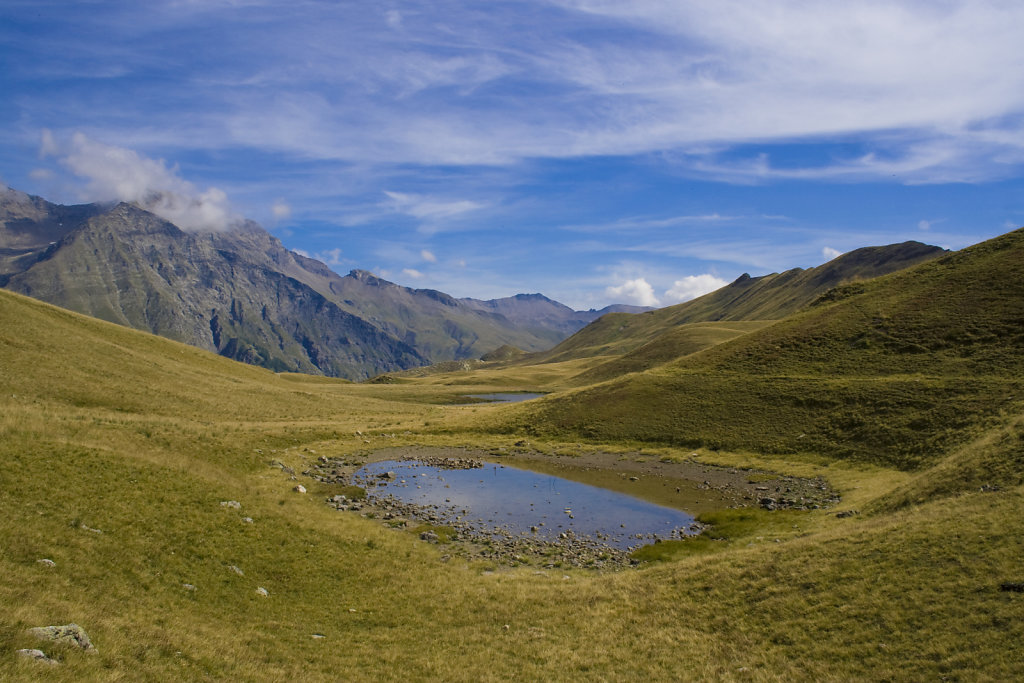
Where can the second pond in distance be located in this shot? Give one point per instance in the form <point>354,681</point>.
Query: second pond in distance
<point>525,503</point>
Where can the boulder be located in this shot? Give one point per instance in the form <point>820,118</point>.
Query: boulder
<point>69,634</point>
<point>37,655</point>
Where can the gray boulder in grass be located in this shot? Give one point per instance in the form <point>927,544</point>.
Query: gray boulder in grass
<point>69,634</point>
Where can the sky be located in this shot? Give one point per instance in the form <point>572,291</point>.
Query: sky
<point>595,151</point>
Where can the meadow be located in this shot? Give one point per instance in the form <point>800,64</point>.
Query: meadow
<point>119,448</point>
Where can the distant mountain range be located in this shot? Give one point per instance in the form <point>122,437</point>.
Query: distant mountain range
<point>640,341</point>
<point>241,294</point>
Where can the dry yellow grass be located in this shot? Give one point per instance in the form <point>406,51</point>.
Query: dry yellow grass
<point>140,438</point>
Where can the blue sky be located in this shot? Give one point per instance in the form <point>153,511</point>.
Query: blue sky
<point>595,151</point>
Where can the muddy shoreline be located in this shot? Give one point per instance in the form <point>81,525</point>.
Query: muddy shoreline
<point>686,485</point>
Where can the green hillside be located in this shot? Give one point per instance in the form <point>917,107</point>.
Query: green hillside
<point>119,450</point>
<point>770,297</point>
<point>897,370</point>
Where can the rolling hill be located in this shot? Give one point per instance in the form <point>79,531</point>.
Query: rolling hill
<point>897,370</point>
<point>122,453</point>
<point>770,297</point>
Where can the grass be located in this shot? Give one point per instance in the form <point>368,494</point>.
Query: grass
<point>142,439</point>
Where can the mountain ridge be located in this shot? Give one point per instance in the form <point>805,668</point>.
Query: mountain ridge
<point>767,297</point>
<point>241,293</point>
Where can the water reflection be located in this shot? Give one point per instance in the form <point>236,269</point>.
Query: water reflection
<point>505,397</point>
<point>525,503</point>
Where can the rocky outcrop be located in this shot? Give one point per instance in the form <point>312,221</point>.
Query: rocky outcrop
<point>71,635</point>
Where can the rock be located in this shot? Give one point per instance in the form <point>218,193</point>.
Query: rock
<point>429,536</point>
<point>188,586</point>
<point>634,478</point>
<point>236,570</point>
<point>299,488</point>
<point>262,591</point>
<point>69,634</point>
<point>847,513</point>
<point>231,504</point>
<point>38,655</point>
<point>46,562</point>
<point>247,520</point>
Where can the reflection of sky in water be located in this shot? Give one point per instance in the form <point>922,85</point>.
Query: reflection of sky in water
<point>505,398</point>
<point>496,495</point>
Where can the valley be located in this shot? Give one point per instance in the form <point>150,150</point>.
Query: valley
<point>162,483</point>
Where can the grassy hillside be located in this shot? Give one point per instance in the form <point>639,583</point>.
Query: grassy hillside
<point>771,297</point>
<point>897,370</point>
<point>118,448</point>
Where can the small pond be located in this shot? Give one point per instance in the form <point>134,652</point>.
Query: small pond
<point>524,503</point>
<point>505,397</point>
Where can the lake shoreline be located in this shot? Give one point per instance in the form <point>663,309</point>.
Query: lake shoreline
<point>681,485</point>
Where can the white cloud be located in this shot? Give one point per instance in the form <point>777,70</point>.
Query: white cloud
<point>281,210</point>
<point>411,84</point>
<point>637,291</point>
<point>693,286</point>
<point>413,273</point>
<point>331,257</point>
<point>427,208</point>
<point>661,76</point>
<point>41,174</point>
<point>116,173</point>
<point>829,253</point>
<point>393,18</point>
<point>428,256</point>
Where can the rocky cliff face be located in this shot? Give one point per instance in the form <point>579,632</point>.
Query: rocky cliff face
<point>240,293</point>
<point>217,291</point>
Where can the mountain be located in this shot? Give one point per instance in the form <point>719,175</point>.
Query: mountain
<point>127,266</point>
<point>545,317</point>
<point>242,294</point>
<point>770,297</point>
<point>894,371</point>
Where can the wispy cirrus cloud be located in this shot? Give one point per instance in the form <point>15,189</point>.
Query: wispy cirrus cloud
<point>497,83</point>
<point>554,130</point>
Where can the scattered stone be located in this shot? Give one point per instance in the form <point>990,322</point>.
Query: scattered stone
<point>318,636</point>
<point>634,478</point>
<point>37,655</point>
<point>1012,586</point>
<point>247,520</point>
<point>46,562</point>
<point>69,634</point>
<point>188,586</point>
<point>299,488</point>
<point>429,536</point>
<point>262,591</point>
<point>231,504</point>
<point>847,513</point>
<point>236,570</point>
